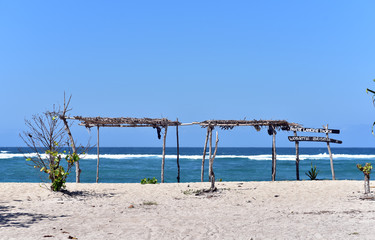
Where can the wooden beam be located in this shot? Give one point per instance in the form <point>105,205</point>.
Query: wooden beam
<point>97,163</point>
<point>178,154</point>
<point>114,125</point>
<point>235,125</point>
<point>189,124</point>
<point>330,156</point>
<point>163,159</point>
<point>313,139</point>
<point>204,154</point>
<point>297,157</point>
<point>314,130</point>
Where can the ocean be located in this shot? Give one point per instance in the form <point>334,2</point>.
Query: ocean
<point>131,164</point>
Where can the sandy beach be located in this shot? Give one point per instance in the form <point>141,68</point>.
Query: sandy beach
<point>239,210</point>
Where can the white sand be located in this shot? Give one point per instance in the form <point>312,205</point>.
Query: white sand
<point>249,210</point>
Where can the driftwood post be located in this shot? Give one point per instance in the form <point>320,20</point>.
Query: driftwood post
<point>367,183</point>
<point>67,129</point>
<point>163,159</point>
<point>273,153</point>
<point>210,152</point>
<point>204,154</point>
<point>97,163</point>
<point>297,157</point>
<point>330,154</point>
<point>212,174</point>
<point>178,154</point>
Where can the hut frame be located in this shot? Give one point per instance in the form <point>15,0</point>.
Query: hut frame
<point>157,123</point>
<point>273,126</point>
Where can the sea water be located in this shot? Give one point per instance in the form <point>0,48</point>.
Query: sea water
<point>130,165</point>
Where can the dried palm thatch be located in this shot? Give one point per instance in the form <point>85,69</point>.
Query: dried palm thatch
<point>257,124</point>
<point>125,122</point>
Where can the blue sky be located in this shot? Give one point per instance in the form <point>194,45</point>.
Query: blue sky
<point>308,62</point>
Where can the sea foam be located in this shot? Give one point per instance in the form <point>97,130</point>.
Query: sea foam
<point>260,157</point>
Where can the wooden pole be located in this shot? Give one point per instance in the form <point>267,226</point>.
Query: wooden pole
<point>297,157</point>
<point>67,129</point>
<point>178,154</point>
<point>72,143</point>
<point>163,160</point>
<point>330,155</point>
<point>212,176</point>
<point>367,183</point>
<point>273,154</point>
<point>210,154</point>
<point>204,154</point>
<point>97,163</point>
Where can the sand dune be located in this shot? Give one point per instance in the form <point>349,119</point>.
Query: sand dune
<point>248,210</point>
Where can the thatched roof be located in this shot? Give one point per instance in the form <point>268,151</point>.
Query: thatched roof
<point>257,124</point>
<point>163,122</point>
<point>125,122</point>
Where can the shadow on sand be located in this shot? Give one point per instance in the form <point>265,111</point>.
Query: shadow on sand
<point>86,194</point>
<point>21,219</point>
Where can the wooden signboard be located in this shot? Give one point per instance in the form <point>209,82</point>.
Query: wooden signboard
<point>314,130</point>
<point>313,139</point>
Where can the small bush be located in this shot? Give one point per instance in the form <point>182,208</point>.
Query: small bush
<point>313,173</point>
<point>149,181</point>
<point>365,169</point>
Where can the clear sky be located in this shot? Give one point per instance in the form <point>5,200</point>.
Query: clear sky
<point>308,62</point>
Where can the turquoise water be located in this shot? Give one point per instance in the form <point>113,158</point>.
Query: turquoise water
<point>129,165</point>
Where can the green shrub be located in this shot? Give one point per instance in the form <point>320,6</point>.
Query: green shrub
<point>313,173</point>
<point>365,169</point>
<point>149,181</point>
<point>56,173</point>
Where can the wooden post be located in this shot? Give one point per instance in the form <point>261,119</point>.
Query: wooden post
<point>204,154</point>
<point>367,183</point>
<point>297,157</point>
<point>212,176</point>
<point>330,155</point>
<point>97,163</point>
<point>163,159</point>
<point>67,129</point>
<point>178,154</point>
<point>210,153</point>
<point>273,154</point>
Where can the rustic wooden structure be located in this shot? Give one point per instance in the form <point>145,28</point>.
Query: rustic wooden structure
<point>326,139</point>
<point>273,126</point>
<point>157,123</point>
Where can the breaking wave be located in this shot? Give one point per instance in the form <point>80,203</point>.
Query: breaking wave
<point>260,157</point>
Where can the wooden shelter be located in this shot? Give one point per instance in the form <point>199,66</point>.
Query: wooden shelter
<point>272,125</point>
<point>157,123</point>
